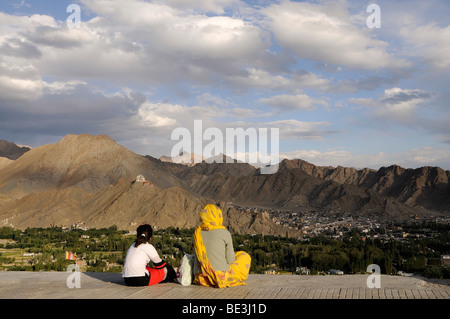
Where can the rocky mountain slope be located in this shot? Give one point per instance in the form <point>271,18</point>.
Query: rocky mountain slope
<point>91,181</point>
<point>11,151</point>
<point>302,187</point>
<point>89,163</point>
<point>427,187</point>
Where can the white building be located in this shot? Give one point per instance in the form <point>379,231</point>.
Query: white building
<point>140,179</point>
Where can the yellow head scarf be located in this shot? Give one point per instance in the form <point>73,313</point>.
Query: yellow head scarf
<point>211,218</point>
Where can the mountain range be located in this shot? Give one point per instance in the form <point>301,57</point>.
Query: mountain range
<point>12,151</point>
<point>92,181</point>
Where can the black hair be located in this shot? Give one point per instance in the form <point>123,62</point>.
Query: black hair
<point>143,234</point>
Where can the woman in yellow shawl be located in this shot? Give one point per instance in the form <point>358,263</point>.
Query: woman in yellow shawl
<point>216,248</point>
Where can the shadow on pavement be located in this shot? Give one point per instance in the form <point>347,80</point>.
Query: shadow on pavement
<point>115,278</point>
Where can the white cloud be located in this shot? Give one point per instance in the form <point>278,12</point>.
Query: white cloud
<point>59,87</point>
<point>262,79</point>
<point>151,119</point>
<point>308,80</point>
<point>170,30</point>
<point>323,32</point>
<point>12,23</point>
<point>175,115</point>
<point>215,6</point>
<point>17,89</point>
<point>21,4</point>
<point>430,42</point>
<point>294,129</point>
<point>19,81</point>
<point>293,102</point>
<point>137,69</point>
<point>19,47</point>
<point>148,112</point>
<point>241,112</point>
<point>425,156</point>
<point>395,104</point>
<point>209,99</point>
<point>62,37</point>
<point>401,96</point>
<point>165,117</point>
<point>136,41</point>
<point>413,158</point>
<point>252,77</point>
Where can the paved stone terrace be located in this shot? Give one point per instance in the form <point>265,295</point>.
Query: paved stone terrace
<point>53,285</point>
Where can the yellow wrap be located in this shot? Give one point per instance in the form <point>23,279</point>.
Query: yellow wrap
<point>211,218</point>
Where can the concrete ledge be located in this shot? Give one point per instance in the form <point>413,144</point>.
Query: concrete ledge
<point>53,285</point>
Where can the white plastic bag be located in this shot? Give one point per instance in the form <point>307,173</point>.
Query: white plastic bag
<point>184,272</point>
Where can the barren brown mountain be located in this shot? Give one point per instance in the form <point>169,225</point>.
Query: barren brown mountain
<point>92,181</point>
<point>11,150</point>
<point>86,162</point>
<point>302,187</point>
<point>426,187</point>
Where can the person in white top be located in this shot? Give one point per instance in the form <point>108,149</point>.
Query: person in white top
<point>136,271</point>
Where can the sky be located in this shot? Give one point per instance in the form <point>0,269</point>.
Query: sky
<point>339,90</point>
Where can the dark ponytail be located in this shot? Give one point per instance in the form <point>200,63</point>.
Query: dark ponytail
<point>143,234</point>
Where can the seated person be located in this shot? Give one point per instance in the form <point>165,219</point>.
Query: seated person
<point>215,263</point>
<point>136,271</point>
